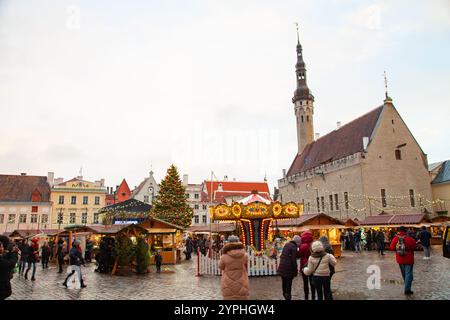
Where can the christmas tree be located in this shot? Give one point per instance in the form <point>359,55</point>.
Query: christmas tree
<point>171,204</point>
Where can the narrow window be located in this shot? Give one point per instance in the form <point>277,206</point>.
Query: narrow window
<point>34,218</point>
<point>44,218</point>
<point>203,219</point>
<point>97,201</point>
<point>196,219</point>
<point>383,198</point>
<point>307,118</point>
<point>302,118</point>
<point>336,201</point>
<point>398,154</point>
<point>73,200</point>
<point>322,200</point>
<point>411,198</point>
<point>318,204</point>
<point>84,218</point>
<point>96,217</point>
<point>331,202</point>
<point>61,200</point>
<point>85,199</point>
<point>346,200</point>
<point>72,217</point>
<point>196,207</point>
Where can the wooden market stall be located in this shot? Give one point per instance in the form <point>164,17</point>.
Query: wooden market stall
<point>437,227</point>
<point>163,236</point>
<point>389,223</point>
<point>319,224</point>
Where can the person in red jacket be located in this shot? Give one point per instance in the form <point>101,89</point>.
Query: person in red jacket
<point>404,253</point>
<point>305,252</point>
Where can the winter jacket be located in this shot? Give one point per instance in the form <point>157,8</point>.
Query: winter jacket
<point>323,269</point>
<point>8,261</point>
<point>305,248</point>
<point>189,245</point>
<point>33,255</point>
<point>380,237</point>
<point>410,245</point>
<point>424,237</point>
<point>76,258</point>
<point>288,260</point>
<point>233,263</point>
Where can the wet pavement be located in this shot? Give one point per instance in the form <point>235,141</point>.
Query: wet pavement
<point>431,281</point>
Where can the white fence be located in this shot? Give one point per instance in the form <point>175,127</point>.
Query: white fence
<point>258,265</point>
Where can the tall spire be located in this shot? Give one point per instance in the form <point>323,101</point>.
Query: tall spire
<point>302,91</point>
<point>387,99</point>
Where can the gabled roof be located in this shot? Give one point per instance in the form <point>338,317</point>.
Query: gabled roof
<point>444,173</point>
<point>338,144</point>
<point>18,188</point>
<point>130,206</point>
<point>396,219</point>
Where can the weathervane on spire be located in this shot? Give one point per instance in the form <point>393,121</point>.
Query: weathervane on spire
<point>385,84</point>
<point>298,37</point>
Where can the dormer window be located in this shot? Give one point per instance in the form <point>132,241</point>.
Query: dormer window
<point>398,154</point>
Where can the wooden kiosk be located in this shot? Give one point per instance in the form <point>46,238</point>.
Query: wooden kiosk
<point>163,236</point>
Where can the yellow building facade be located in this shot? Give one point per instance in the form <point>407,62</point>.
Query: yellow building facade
<point>77,202</point>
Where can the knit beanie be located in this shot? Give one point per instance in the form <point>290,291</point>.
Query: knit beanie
<point>233,239</point>
<point>297,239</point>
<point>317,246</point>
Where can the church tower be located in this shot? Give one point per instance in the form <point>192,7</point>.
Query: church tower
<point>303,103</point>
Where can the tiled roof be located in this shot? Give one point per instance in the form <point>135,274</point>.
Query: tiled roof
<point>396,219</point>
<point>18,188</point>
<point>29,233</point>
<point>444,173</point>
<point>338,144</point>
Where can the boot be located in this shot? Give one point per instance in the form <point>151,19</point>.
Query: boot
<point>26,274</point>
<point>287,296</point>
<point>33,278</point>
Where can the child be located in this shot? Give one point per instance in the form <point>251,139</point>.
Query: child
<point>158,261</point>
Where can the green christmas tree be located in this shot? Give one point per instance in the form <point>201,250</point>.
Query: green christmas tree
<point>171,204</point>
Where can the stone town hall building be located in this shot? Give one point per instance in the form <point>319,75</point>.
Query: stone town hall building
<point>368,166</point>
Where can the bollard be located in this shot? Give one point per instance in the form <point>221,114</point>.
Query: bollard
<point>198,263</point>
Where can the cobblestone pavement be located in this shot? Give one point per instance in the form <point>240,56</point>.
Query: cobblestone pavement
<point>431,281</point>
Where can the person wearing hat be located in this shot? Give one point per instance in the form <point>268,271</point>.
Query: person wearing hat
<point>288,268</point>
<point>404,246</point>
<point>76,259</point>
<point>33,257</point>
<point>233,263</point>
<point>8,260</point>
<point>319,267</point>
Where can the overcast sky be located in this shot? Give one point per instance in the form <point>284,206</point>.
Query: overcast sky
<point>118,87</point>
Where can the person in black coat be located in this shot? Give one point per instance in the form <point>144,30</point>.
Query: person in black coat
<point>8,260</point>
<point>288,268</point>
<point>24,251</point>
<point>158,261</point>
<point>425,241</point>
<point>369,240</point>
<point>189,248</point>
<point>60,255</point>
<point>45,255</point>
<point>380,242</point>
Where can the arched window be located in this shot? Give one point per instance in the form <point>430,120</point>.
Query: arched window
<point>398,154</point>
<point>302,118</point>
<point>307,118</point>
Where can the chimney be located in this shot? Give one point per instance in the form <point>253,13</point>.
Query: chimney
<point>317,135</point>
<point>23,173</point>
<point>50,178</point>
<point>338,124</point>
<point>58,181</point>
<point>102,182</point>
<point>365,143</point>
<point>225,178</point>
<point>185,179</point>
<point>284,173</point>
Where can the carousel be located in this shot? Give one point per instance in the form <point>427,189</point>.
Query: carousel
<point>254,216</point>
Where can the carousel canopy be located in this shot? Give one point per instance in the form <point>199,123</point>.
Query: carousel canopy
<point>254,198</point>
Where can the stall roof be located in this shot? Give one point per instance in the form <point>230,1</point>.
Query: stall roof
<point>304,219</point>
<point>214,227</point>
<point>160,230</point>
<point>396,219</point>
<point>22,233</point>
<point>127,206</point>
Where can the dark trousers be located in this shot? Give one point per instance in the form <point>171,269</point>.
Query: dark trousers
<point>22,266</point>
<point>158,267</point>
<point>308,283</point>
<point>45,260</point>
<point>286,283</point>
<point>380,247</point>
<point>5,289</point>
<point>30,264</point>
<point>323,287</point>
<point>60,264</point>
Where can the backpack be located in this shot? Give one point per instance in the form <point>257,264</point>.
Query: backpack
<point>400,248</point>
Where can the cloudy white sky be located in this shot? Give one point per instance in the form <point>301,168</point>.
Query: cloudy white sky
<point>120,87</point>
